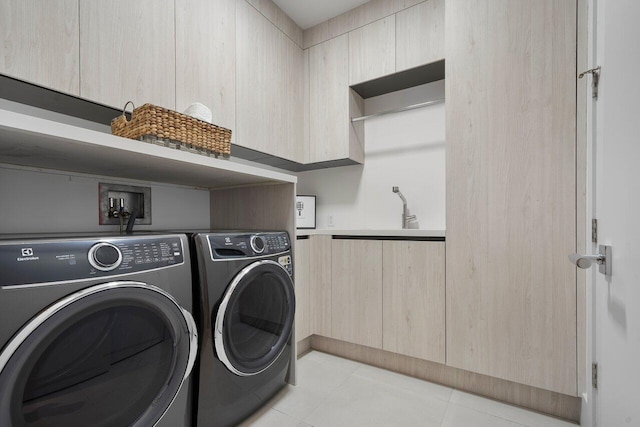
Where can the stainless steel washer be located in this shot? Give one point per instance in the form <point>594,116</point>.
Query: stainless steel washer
<point>96,331</point>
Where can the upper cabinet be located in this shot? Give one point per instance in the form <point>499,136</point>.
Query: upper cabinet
<point>372,50</point>
<point>270,76</point>
<point>206,57</point>
<point>328,96</point>
<point>240,58</point>
<point>420,35</point>
<point>127,52</point>
<point>398,42</point>
<point>331,134</point>
<point>39,42</point>
<point>511,190</point>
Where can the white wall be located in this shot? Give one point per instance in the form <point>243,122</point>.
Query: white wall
<point>404,149</point>
<point>40,201</point>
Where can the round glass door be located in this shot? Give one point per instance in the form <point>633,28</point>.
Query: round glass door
<point>111,355</point>
<point>254,321</point>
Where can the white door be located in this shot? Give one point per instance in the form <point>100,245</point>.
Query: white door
<point>616,138</point>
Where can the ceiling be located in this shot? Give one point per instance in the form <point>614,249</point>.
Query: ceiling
<point>307,13</point>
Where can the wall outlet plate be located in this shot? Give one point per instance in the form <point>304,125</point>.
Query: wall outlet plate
<point>135,198</point>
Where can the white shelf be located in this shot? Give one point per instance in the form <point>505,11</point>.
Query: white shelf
<point>30,141</point>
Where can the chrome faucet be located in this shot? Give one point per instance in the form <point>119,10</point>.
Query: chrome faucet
<point>408,220</point>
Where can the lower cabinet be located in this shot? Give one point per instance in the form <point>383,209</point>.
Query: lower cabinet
<point>382,294</point>
<point>320,284</point>
<point>413,295</point>
<point>301,284</point>
<point>356,291</point>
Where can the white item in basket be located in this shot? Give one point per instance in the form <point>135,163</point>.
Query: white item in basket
<point>199,111</point>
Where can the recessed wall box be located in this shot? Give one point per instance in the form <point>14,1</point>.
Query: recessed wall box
<point>118,202</point>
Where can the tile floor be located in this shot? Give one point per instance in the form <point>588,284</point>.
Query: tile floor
<point>337,392</point>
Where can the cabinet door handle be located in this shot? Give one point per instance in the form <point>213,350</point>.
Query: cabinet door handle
<point>602,258</point>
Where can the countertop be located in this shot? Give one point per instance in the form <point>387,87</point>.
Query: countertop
<point>381,233</point>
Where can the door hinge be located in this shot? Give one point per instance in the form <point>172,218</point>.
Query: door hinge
<point>595,82</point>
<point>594,230</point>
<point>594,375</point>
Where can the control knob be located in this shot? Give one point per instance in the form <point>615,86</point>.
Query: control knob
<point>257,244</point>
<point>105,256</point>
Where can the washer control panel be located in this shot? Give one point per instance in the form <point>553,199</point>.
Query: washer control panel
<point>32,262</point>
<point>247,245</point>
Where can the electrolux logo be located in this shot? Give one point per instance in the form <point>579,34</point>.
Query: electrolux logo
<point>27,255</point>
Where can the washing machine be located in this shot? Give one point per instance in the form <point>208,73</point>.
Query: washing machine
<point>245,312</point>
<point>96,331</point>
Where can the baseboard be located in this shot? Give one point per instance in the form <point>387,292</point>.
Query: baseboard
<point>303,347</point>
<point>544,401</point>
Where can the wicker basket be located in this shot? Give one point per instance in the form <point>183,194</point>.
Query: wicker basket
<point>169,128</point>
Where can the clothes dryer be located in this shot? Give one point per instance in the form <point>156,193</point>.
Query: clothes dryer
<point>245,310</point>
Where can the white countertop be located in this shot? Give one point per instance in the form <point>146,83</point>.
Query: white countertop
<point>382,233</point>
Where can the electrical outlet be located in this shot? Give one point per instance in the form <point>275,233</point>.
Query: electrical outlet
<point>330,221</point>
<point>114,197</point>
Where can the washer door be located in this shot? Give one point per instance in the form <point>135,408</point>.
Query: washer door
<point>254,321</point>
<point>114,354</point>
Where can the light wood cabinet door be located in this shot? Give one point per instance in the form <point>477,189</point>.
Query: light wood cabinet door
<point>206,57</point>
<point>39,40</point>
<point>511,190</point>
<point>329,100</point>
<point>302,287</point>
<point>127,52</point>
<point>413,295</point>
<point>270,77</point>
<point>372,50</point>
<point>320,285</point>
<point>420,35</point>
<point>356,291</point>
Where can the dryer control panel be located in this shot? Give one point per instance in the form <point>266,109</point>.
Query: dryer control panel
<point>34,262</point>
<point>248,245</point>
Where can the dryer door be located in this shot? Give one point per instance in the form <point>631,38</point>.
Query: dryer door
<point>254,321</point>
<point>114,354</point>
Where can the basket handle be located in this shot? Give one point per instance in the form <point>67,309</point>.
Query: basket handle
<point>124,110</point>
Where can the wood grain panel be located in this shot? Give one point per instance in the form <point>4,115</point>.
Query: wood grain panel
<point>420,35</point>
<point>39,41</point>
<point>511,190</point>
<point>353,19</point>
<point>205,57</point>
<point>413,296</point>
<point>127,52</point>
<point>329,100</point>
<point>582,219</point>
<point>356,130</point>
<point>303,347</point>
<point>270,77</point>
<point>302,286</point>
<point>273,13</point>
<point>307,107</point>
<point>556,404</point>
<point>372,50</point>
<point>320,285</point>
<point>259,207</point>
<point>356,291</point>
